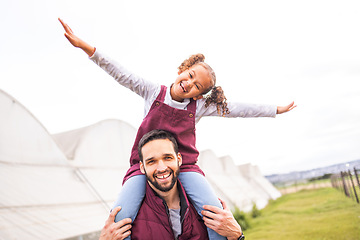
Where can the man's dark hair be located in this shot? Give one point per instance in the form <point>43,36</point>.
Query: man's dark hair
<point>155,135</point>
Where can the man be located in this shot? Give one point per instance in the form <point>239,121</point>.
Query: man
<point>166,212</point>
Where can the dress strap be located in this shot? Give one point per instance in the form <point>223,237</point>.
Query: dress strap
<point>192,105</point>
<point>161,95</point>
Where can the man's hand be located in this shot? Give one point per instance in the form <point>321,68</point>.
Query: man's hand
<point>115,231</point>
<point>221,221</point>
<point>283,109</point>
<point>76,41</point>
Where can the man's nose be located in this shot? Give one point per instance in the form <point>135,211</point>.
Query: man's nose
<point>161,166</point>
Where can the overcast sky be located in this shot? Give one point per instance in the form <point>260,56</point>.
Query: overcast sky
<point>270,52</point>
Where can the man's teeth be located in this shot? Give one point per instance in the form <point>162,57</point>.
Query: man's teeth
<point>163,176</point>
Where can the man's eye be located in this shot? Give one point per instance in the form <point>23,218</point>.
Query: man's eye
<point>197,86</point>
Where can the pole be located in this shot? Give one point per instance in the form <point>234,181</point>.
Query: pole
<point>353,185</point>
<point>344,184</point>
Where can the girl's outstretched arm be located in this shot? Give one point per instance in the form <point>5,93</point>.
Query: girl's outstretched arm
<point>283,109</point>
<point>76,41</point>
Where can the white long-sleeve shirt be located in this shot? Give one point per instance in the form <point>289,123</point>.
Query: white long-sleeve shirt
<point>149,91</point>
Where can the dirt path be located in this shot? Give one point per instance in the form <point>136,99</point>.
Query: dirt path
<point>293,189</point>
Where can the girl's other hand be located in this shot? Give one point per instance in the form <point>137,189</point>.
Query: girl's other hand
<point>283,109</point>
<point>76,41</point>
<point>69,34</point>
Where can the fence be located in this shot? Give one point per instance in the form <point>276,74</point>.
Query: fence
<point>348,183</point>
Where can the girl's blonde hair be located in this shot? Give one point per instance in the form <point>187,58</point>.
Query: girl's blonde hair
<point>216,96</point>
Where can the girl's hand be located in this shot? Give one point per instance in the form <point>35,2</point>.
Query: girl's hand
<point>76,41</point>
<point>69,34</point>
<point>284,109</point>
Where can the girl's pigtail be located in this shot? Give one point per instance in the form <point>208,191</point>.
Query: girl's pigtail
<point>217,97</point>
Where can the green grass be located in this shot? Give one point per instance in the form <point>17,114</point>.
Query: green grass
<point>320,214</point>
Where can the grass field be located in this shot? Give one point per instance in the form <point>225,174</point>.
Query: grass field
<point>319,214</point>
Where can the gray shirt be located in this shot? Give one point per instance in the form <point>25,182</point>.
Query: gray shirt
<point>175,221</point>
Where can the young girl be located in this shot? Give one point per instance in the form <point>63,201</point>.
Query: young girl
<point>176,109</point>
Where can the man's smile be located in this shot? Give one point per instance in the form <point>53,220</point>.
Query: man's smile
<point>163,176</point>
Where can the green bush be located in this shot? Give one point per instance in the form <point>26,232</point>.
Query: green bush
<point>255,212</point>
<point>241,218</point>
<point>325,176</point>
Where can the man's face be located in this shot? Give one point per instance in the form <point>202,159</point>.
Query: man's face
<point>161,164</point>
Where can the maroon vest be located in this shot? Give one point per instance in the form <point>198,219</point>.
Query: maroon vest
<point>152,220</point>
<point>181,123</point>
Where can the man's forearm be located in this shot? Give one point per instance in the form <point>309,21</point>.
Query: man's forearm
<point>236,235</point>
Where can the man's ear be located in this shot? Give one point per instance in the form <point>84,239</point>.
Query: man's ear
<point>142,167</point>
<point>179,158</point>
<point>198,97</point>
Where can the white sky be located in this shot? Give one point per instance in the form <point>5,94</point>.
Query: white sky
<point>269,52</point>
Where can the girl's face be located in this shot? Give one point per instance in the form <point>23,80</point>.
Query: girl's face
<point>191,83</point>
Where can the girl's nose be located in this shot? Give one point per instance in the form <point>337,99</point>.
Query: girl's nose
<point>189,83</point>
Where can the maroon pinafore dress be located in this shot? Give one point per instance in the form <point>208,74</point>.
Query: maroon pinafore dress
<point>181,123</point>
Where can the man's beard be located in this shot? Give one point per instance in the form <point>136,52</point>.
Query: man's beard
<point>163,188</point>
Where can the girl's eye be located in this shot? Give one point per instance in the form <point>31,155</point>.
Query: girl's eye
<point>190,75</point>
<point>197,86</point>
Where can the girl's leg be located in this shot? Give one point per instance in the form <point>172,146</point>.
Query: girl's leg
<point>130,197</point>
<point>200,193</point>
